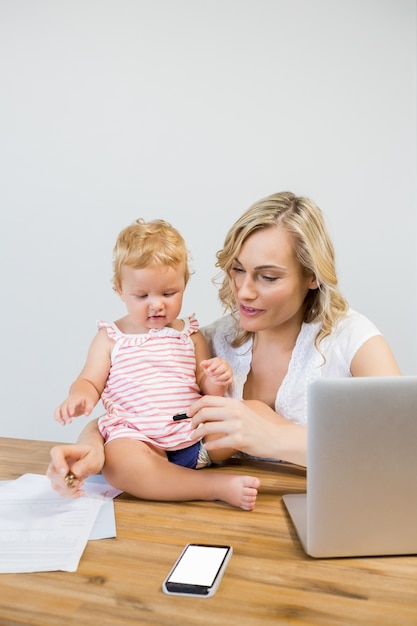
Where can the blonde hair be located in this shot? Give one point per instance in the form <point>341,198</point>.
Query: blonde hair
<point>313,249</point>
<point>144,244</point>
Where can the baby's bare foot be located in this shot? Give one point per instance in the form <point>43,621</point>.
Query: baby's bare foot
<point>240,491</point>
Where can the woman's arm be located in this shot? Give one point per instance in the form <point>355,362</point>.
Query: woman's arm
<point>291,445</point>
<point>374,358</point>
<point>249,426</point>
<point>253,427</point>
<point>82,459</point>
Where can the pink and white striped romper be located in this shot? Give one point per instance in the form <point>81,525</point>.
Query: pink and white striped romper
<point>151,378</point>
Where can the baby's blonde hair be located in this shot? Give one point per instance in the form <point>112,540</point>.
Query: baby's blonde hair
<point>144,244</point>
<point>313,249</point>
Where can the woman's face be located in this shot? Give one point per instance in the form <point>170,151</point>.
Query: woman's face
<point>269,286</point>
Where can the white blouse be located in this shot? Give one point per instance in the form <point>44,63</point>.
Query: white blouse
<point>306,364</point>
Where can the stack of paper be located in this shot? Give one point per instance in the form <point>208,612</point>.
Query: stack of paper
<point>41,531</point>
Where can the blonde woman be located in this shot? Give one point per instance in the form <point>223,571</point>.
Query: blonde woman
<point>288,326</point>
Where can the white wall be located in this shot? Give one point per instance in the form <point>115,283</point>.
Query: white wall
<point>191,110</point>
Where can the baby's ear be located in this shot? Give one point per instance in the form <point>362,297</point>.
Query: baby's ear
<point>117,289</point>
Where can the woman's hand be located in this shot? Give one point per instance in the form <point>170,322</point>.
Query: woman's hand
<point>236,424</point>
<point>248,426</point>
<point>78,460</point>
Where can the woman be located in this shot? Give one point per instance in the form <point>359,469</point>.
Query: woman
<point>288,325</point>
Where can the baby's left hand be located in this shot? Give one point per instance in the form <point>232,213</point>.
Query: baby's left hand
<point>218,370</point>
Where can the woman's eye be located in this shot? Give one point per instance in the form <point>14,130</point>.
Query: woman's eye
<point>270,279</point>
<point>237,270</point>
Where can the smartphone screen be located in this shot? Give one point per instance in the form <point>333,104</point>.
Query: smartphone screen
<point>198,570</point>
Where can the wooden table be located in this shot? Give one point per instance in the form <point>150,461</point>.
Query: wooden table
<point>269,579</point>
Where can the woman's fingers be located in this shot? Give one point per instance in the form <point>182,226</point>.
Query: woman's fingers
<point>222,418</point>
<point>210,407</point>
<point>228,441</point>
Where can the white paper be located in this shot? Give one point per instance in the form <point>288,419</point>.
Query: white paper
<point>105,524</point>
<point>98,485</point>
<point>41,531</point>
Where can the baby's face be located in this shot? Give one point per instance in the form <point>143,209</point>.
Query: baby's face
<point>153,295</point>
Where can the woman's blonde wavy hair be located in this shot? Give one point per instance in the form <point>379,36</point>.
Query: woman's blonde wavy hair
<point>144,244</point>
<point>313,248</point>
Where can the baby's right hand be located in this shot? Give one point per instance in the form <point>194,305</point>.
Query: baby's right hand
<point>73,406</point>
<point>79,459</point>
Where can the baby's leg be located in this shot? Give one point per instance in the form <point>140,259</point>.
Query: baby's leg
<point>222,454</point>
<point>145,472</point>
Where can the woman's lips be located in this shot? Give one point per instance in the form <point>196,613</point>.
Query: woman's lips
<point>249,311</point>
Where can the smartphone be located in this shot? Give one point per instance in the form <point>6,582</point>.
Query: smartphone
<point>198,570</point>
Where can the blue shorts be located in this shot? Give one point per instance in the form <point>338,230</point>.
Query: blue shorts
<point>190,457</point>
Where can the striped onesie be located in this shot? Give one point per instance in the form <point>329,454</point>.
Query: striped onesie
<point>151,378</point>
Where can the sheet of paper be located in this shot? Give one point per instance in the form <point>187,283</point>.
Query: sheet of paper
<point>98,485</point>
<point>105,524</point>
<point>40,530</point>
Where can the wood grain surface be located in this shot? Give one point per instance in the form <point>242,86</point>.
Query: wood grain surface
<point>268,581</point>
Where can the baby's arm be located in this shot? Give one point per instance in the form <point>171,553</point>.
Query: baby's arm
<point>81,400</point>
<point>86,390</point>
<point>214,375</point>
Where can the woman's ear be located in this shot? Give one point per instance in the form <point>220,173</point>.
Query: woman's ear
<point>314,283</point>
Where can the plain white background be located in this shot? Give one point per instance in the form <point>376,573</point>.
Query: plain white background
<point>191,110</point>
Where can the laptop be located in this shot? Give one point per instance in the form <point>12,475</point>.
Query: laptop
<point>362,469</point>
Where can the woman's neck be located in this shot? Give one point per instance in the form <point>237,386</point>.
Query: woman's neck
<point>284,336</point>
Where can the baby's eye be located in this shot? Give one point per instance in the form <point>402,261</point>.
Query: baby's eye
<point>169,294</point>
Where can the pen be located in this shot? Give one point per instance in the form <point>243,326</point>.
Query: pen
<point>180,416</point>
<point>69,479</point>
